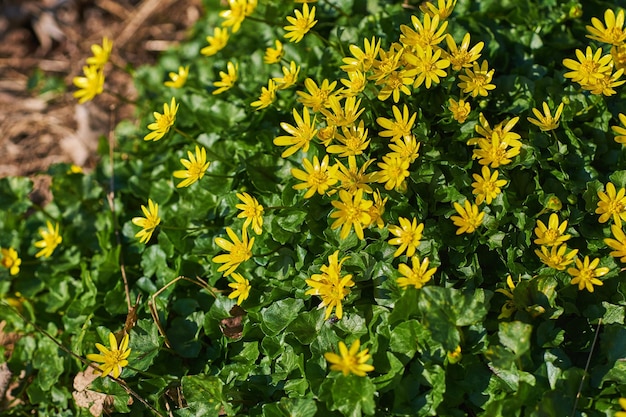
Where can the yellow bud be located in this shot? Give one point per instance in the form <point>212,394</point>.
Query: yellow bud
<point>554,204</point>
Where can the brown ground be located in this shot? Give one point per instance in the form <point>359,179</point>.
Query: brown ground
<point>53,37</point>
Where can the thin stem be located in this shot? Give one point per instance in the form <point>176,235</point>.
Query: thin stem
<point>582,380</point>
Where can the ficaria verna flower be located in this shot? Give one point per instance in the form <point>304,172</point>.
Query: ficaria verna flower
<point>274,55</point>
<point>252,211</point>
<point>316,97</point>
<point>239,251</point>
<point>352,212</point>
<point>178,79</point>
<point>331,286</point>
<point>350,361</point>
<point>353,177</point>
<point>400,126</point>
<point>427,66</point>
<point>613,33</point>
<point>10,260</point>
<point>90,85</point>
<point>509,306</point>
<point>462,56</point>
<point>460,110</point>
<point>620,131</point>
<point>362,60</point>
<point>355,83</point>
<point>100,53</point>
<point>586,273</point>
<point>149,223</point>
<point>393,172</point>
<point>590,67</point>
<point>241,288</point>
<point>195,167</point>
<point>429,33</point>
<point>301,134</point>
<point>405,149</point>
<point>216,42</point>
<point>290,76</point>
<point>237,12</point>
<point>618,243</point>
<point>556,257</point>
<point>227,80</point>
<point>50,240</point>
<point>267,97</point>
<point>488,186</point>
<point>468,219</point>
<point>443,9</point>
<point>612,204</point>
<point>553,234</point>
<point>342,115</point>
<point>407,236</point>
<point>545,121</point>
<point>477,81</point>
<point>301,24</point>
<point>317,177</point>
<point>352,141</point>
<point>417,275</point>
<point>163,122</point>
<point>377,210</point>
<point>114,359</point>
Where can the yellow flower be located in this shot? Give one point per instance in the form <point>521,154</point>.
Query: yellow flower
<point>290,76</point>
<point>488,186</point>
<point>586,274</point>
<point>606,84</point>
<point>377,210</point>
<point>501,131</point>
<point>241,288</point>
<point>443,9</point>
<point>552,235</point>
<point>10,260</point>
<point>252,211</point>
<point>237,12</point>
<point>352,212</point>
<point>417,275</point>
<point>195,167</point>
<point>319,177</point>
<point>428,66</point>
<point>300,24</point>
<point>545,121</point>
<point>149,223</point>
<point>619,243</point>
<point>400,126</point>
<point>352,142</point>
<point>362,61</point>
<point>590,67</point>
<point>317,97</point>
<point>509,306</point>
<point>350,360</point>
<point>622,403</point>
<point>177,80</point>
<point>239,251</point>
<point>100,53</point>
<point>407,236</point>
<point>338,115</point>
<point>612,203</point>
<point>90,85</point>
<point>355,83</point>
<point>494,153</point>
<point>217,42</point>
<point>163,122</point>
<point>50,240</point>
<point>267,97</point>
<point>469,218</point>
<point>330,286</point>
<point>114,359</point>
<point>227,79</point>
<point>354,178</point>
<point>428,33</point>
<point>274,55</point>
<point>613,33</point>
<point>326,135</point>
<point>620,130</point>
<point>618,53</point>
<point>556,257</point>
<point>388,62</point>
<point>393,171</point>
<point>301,135</point>
<point>395,83</point>
<point>477,81</point>
<point>407,148</point>
<point>460,110</point>
<point>462,56</point>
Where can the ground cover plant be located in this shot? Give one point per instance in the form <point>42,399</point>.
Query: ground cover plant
<point>337,208</point>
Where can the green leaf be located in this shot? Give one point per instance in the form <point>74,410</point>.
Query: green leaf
<point>515,335</point>
<point>352,395</point>
<point>204,394</point>
<point>145,343</point>
<point>278,316</point>
<point>288,407</point>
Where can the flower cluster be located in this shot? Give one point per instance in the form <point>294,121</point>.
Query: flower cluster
<point>92,83</point>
